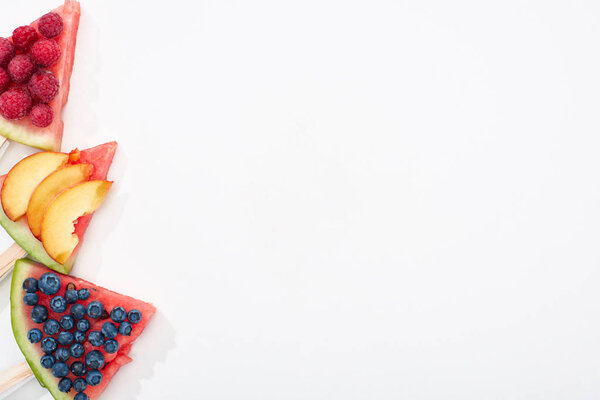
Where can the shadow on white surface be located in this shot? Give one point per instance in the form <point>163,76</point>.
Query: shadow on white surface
<point>154,343</point>
<point>31,390</point>
<point>89,261</point>
<point>81,128</point>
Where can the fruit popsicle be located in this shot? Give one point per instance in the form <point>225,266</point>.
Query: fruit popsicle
<point>36,63</point>
<point>47,201</point>
<point>74,335</point>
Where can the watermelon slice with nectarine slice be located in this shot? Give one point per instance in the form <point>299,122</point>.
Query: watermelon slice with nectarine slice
<point>60,199</point>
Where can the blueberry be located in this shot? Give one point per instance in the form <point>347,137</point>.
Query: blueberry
<point>118,314</point>
<point>79,384</point>
<point>60,370</point>
<point>58,304</point>
<point>39,314</point>
<point>77,350</point>
<point>49,345</point>
<point>125,328</point>
<point>96,338</point>
<point>83,294</point>
<point>47,361</point>
<point>71,296</point>
<point>83,325</point>
<point>78,369</point>
<point>78,311</point>
<point>51,327</point>
<point>111,346</point>
<point>67,322</point>
<point>31,299</point>
<point>81,396</point>
<point>30,285</point>
<point>80,337</point>
<point>134,316</point>
<point>49,283</point>
<point>93,377</point>
<point>62,354</point>
<point>34,335</point>
<point>65,338</point>
<point>94,359</point>
<point>109,330</point>
<point>95,309</point>
<point>65,385</point>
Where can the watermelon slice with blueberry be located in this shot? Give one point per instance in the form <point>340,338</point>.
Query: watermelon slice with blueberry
<point>99,159</point>
<point>35,70</point>
<point>75,335</point>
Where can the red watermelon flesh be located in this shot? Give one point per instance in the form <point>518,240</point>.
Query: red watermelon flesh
<point>22,323</point>
<point>50,137</point>
<point>101,158</point>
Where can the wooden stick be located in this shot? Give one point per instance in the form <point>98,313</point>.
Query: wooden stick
<point>4,143</point>
<point>14,376</point>
<point>8,258</point>
<point>3,140</point>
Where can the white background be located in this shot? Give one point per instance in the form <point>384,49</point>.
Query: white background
<point>343,199</point>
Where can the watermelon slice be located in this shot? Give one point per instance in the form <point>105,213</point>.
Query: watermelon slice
<point>50,137</point>
<point>23,323</point>
<point>101,158</point>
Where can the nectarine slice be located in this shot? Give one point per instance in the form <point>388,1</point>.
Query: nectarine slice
<point>54,184</point>
<point>24,177</point>
<point>58,222</point>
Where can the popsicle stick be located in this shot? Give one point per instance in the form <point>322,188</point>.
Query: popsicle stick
<point>8,258</point>
<point>14,376</point>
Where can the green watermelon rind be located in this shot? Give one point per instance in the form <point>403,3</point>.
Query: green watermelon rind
<point>20,329</point>
<point>21,234</point>
<point>40,139</point>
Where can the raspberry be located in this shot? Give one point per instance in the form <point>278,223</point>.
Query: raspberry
<point>4,80</point>
<point>50,25</point>
<point>41,115</point>
<point>7,52</point>
<point>43,86</point>
<point>15,103</point>
<point>23,37</point>
<point>20,68</point>
<point>45,52</point>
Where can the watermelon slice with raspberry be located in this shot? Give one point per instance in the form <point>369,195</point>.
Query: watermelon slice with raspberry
<point>75,335</point>
<point>100,157</point>
<point>31,106</point>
